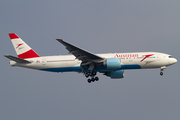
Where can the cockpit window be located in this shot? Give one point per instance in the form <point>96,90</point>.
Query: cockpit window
<point>170,57</point>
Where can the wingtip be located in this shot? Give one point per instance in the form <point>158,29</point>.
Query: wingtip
<point>60,40</point>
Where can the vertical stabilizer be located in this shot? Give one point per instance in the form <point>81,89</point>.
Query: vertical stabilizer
<point>22,49</point>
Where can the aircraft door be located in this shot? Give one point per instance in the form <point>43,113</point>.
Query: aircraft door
<point>131,60</point>
<point>158,57</point>
<point>44,62</point>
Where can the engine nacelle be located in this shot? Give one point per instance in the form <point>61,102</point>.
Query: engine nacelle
<point>117,74</point>
<point>113,63</point>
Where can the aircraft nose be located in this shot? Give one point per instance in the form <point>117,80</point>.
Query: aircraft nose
<point>173,61</point>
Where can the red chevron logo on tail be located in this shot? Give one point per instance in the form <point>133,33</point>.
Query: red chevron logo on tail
<point>19,45</point>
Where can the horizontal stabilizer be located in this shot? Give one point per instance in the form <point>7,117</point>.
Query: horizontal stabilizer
<point>16,59</point>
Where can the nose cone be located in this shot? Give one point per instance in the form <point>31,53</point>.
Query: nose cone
<point>172,61</point>
<point>175,60</point>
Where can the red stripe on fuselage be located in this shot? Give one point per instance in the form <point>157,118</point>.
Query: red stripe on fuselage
<point>146,56</point>
<point>13,36</point>
<point>28,54</point>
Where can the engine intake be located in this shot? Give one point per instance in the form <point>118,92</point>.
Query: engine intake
<point>113,63</point>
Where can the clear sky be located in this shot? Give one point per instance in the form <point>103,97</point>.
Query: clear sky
<point>99,26</point>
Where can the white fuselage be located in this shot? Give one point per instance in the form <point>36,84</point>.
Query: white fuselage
<point>68,63</point>
<point>83,61</point>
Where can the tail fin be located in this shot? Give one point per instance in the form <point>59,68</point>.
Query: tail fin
<point>22,49</point>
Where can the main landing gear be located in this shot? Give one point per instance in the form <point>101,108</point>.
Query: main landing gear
<point>162,68</point>
<point>92,75</point>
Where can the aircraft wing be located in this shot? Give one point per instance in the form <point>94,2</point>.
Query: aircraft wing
<point>83,55</point>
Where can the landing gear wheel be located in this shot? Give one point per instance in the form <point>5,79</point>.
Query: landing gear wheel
<point>96,78</point>
<point>87,75</point>
<point>161,73</point>
<point>92,79</point>
<point>90,74</point>
<point>89,80</point>
<point>93,73</point>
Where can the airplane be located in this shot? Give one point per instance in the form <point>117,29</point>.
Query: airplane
<point>82,61</point>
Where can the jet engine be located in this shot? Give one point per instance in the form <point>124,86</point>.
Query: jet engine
<point>115,74</point>
<point>113,63</point>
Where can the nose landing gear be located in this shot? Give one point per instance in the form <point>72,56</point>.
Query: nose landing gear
<point>162,68</point>
<point>161,73</point>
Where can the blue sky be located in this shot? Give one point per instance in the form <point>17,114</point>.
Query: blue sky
<point>99,26</point>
